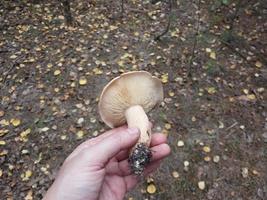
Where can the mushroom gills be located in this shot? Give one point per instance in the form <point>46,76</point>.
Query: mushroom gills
<point>139,158</point>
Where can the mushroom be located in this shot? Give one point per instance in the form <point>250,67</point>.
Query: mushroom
<point>128,98</point>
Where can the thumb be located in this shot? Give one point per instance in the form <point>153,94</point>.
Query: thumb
<point>113,144</point>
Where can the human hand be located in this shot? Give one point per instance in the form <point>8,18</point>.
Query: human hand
<point>99,169</point>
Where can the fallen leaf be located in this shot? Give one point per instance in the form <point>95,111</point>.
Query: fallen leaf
<point>3,132</point>
<point>207,158</point>
<point>175,174</point>
<point>180,143</point>
<point>4,122</point>
<point>168,126</point>
<point>171,93</point>
<point>201,185</point>
<point>216,159</point>
<point>245,91</point>
<point>249,97</point>
<point>211,90</point>
<point>97,71</point>
<point>2,113</point>
<point>15,122</point>
<point>26,176</point>
<point>186,163</point>
<point>244,172</point>
<point>29,196</point>
<point>206,149</point>
<point>213,55</point>
<point>208,50</point>
<point>151,188</point>
<point>80,134</point>
<point>3,153</point>
<point>57,72</point>
<point>82,81</point>
<point>258,64</point>
<point>2,142</point>
<point>24,134</point>
<point>164,78</point>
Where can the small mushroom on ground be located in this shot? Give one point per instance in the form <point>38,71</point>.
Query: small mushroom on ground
<point>127,99</point>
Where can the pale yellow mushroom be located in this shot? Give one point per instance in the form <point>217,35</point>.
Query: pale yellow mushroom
<point>127,99</point>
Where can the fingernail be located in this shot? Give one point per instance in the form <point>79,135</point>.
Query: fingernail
<point>133,131</point>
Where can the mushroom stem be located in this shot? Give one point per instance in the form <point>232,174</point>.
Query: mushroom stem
<point>137,118</point>
<point>140,155</point>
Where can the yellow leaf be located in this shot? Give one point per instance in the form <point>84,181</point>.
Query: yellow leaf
<point>25,176</point>
<point>175,174</point>
<point>29,196</point>
<point>13,56</point>
<point>3,153</point>
<point>121,63</point>
<point>83,81</point>
<point>201,185</point>
<point>2,113</point>
<point>258,64</point>
<point>171,93</point>
<point>151,188</point>
<point>208,50</point>
<point>164,78</point>
<point>80,134</point>
<point>207,158</point>
<point>216,159</point>
<point>168,126</point>
<point>136,34</point>
<point>24,134</point>
<point>49,65</point>
<point>206,149</point>
<point>4,122</point>
<point>211,90</point>
<point>245,91</point>
<point>97,71</point>
<point>2,142</point>
<point>251,97</point>
<point>111,27</point>
<point>57,72</point>
<point>180,143</point>
<point>15,122</point>
<point>3,132</point>
<point>63,137</point>
<point>213,55</point>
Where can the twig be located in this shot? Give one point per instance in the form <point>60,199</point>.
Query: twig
<point>67,11</point>
<point>122,7</point>
<point>232,126</point>
<point>195,40</point>
<point>166,30</point>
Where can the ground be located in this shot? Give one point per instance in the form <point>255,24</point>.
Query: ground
<point>212,63</point>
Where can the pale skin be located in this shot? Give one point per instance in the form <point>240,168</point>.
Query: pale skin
<point>98,168</point>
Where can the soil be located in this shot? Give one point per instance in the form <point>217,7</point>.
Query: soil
<point>212,63</point>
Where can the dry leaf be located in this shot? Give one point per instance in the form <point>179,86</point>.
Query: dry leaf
<point>82,81</point>
<point>258,64</point>
<point>201,185</point>
<point>57,72</point>
<point>151,188</point>
<point>15,122</point>
<point>213,55</point>
<point>206,149</point>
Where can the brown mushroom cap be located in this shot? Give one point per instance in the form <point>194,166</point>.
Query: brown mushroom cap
<point>129,89</point>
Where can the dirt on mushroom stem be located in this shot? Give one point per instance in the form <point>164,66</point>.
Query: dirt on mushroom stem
<point>139,158</point>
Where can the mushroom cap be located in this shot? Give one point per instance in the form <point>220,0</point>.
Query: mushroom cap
<point>129,89</point>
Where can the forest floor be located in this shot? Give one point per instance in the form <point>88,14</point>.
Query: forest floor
<point>212,63</point>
